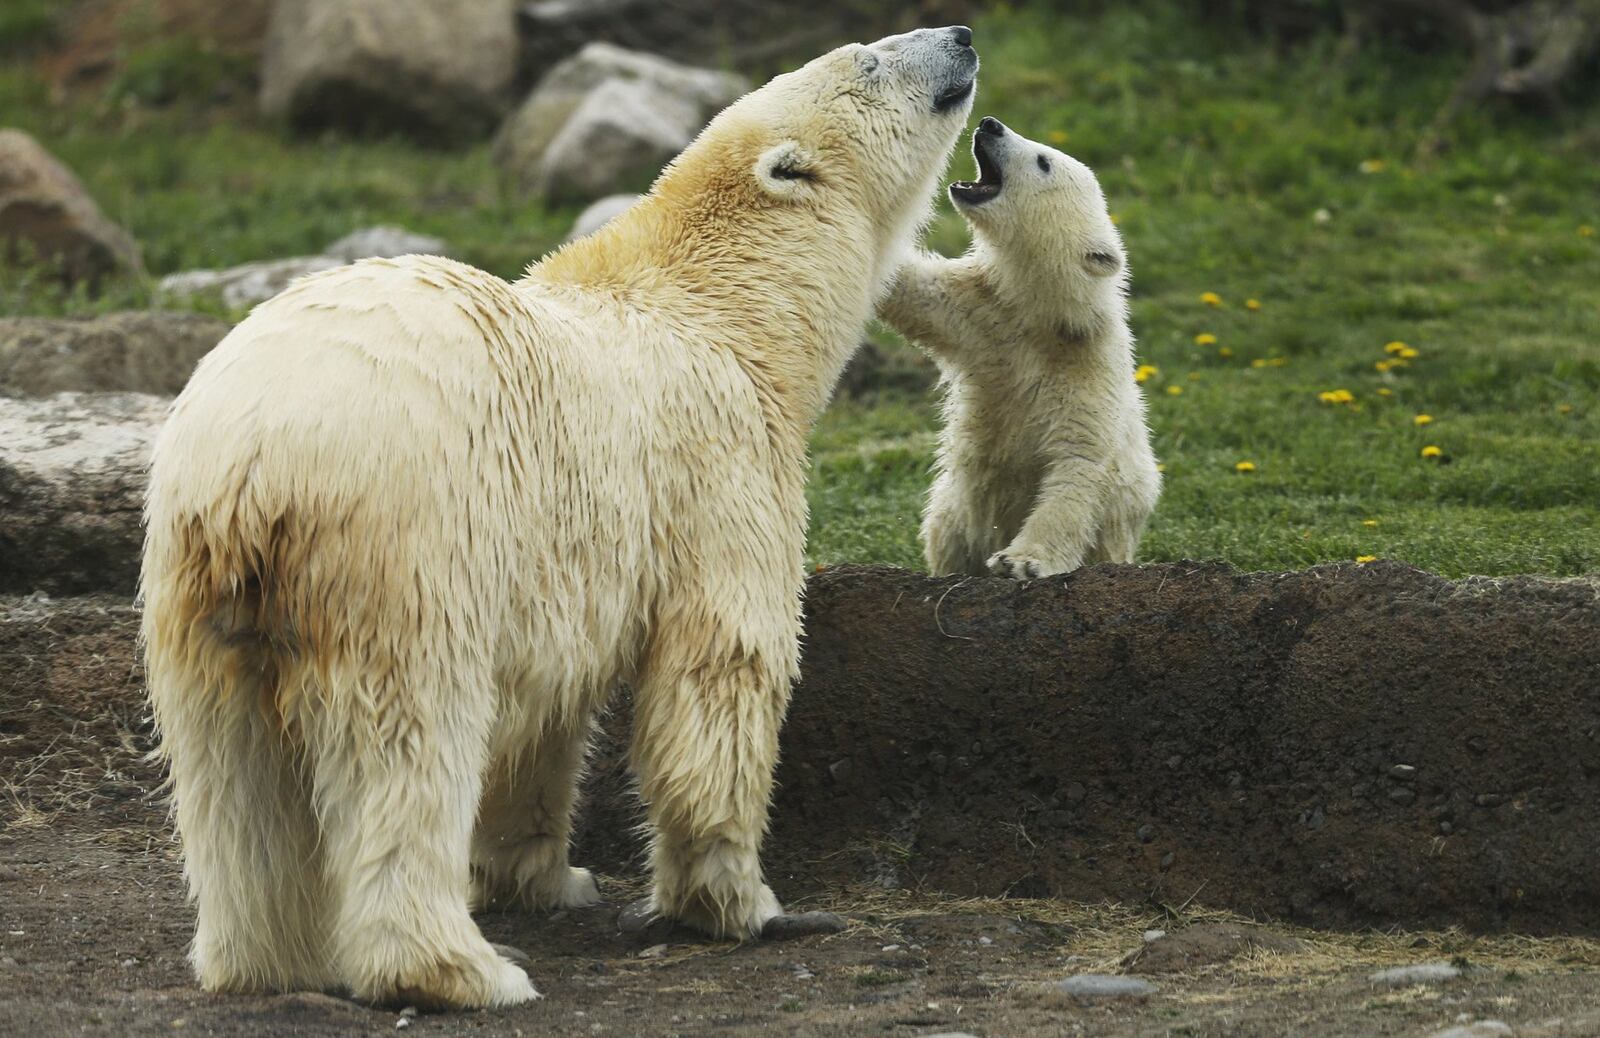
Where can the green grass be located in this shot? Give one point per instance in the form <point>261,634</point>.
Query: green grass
<point>1215,149</point>
<point>1216,152</point>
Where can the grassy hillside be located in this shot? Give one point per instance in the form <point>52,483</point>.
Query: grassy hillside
<point>1287,179</point>
<point>1234,168</point>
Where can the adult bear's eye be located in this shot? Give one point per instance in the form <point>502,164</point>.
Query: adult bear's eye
<point>1044,164</point>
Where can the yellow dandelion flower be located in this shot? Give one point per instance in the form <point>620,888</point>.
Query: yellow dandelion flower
<point>1174,390</point>
<point>1224,352</point>
<point>1145,372</point>
<point>1364,559</point>
<point>1408,354</point>
<point>1395,347</point>
<point>1564,408</point>
<point>1210,299</point>
<point>1586,231</point>
<point>1252,304</point>
<point>1372,165</point>
<point>1244,466</point>
<point>1385,391</point>
<point>1369,523</point>
<point>1337,396</point>
<point>1422,419</point>
<point>1205,339</point>
<point>1057,136</point>
<point>1430,451</point>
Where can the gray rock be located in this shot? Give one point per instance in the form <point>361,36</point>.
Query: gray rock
<point>600,213</point>
<point>664,105</point>
<point>140,351</point>
<point>385,242</point>
<point>246,284</point>
<point>72,476</point>
<point>1105,985</point>
<point>1480,1029</point>
<point>1422,973</point>
<point>46,214</point>
<point>426,69</point>
<point>623,132</point>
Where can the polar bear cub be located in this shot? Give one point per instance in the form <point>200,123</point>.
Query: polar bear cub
<point>1044,464</point>
<point>409,525</point>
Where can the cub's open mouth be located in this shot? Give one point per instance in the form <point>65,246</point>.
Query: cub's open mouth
<point>989,182</point>
<point>954,96</point>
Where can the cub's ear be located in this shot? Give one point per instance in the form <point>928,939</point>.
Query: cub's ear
<point>784,170</point>
<point>1102,260</point>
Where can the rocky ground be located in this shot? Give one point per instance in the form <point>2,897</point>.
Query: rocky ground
<point>93,926</point>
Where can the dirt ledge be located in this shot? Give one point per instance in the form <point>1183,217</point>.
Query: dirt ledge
<point>1342,746</point>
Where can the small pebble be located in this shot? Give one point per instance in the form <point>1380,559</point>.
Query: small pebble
<point>1104,985</point>
<point>1403,772</point>
<point>1481,1029</point>
<point>986,941</point>
<point>402,1023</point>
<point>1402,796</point>
<point>1146,833</point>
<point>655,951</point>
<point>1154,935</point>
<point>890,948</point>
<point>1422,973</point>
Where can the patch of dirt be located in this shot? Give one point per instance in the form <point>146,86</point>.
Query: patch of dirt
<point>94,928</point>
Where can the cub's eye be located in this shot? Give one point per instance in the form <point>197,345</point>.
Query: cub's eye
<point>1044,164</point>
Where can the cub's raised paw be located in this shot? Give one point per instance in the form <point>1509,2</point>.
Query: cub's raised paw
<point>1015,566</point>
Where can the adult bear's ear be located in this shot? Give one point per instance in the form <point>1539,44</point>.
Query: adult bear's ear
<point>1102,260</point>
<point>784,170</point>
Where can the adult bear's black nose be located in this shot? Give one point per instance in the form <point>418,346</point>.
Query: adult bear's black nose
<point>991,125</point>
<point>962,34</point>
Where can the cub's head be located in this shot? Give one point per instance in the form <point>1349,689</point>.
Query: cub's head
<point>1040,206</point>
<point>846,147</point>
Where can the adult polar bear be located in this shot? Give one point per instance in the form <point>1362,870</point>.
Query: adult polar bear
<point>409,524</point>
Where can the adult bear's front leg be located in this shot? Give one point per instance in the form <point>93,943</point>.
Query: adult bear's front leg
<point>705,744</point>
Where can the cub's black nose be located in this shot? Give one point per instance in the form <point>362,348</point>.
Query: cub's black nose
<point>962,34</point>
<point>991,125</point>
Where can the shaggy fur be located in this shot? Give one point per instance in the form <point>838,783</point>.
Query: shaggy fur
<point>410,524</point>
<point>1044,463</point>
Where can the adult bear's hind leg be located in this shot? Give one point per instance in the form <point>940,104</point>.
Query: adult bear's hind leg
<point>398,768</point>
<point>519,851</point>
<point>243,811</point>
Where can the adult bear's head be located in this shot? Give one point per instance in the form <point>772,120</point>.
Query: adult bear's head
<point>852,142</point>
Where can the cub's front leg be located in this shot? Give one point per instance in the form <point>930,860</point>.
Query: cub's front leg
<point>1061,528</point>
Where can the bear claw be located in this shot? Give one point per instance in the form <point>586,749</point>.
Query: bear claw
<point>1015,567</point>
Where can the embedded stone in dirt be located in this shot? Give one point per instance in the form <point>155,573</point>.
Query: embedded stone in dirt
<point>1205,944</point>
<point>1093,986</point>
<point>1422,973</point>
<point>72,474</point>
